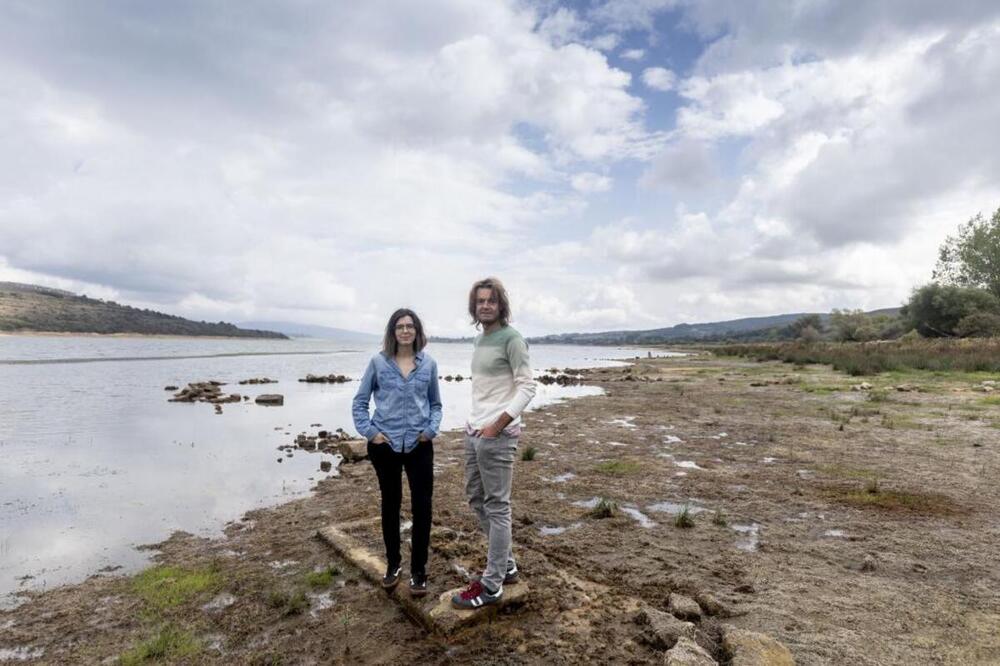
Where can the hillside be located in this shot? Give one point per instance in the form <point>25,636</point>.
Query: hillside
<point>296,330</point>
<point>750,328</point>
<point>30,308</point>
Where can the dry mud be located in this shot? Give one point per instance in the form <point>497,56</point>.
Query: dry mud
<point>855,527</point>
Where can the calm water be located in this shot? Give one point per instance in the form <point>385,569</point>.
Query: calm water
<point>95,461</point>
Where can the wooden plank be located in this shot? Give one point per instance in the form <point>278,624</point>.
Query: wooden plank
<point>436,615</point>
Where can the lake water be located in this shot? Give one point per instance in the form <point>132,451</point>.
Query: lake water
<point>95,461</point>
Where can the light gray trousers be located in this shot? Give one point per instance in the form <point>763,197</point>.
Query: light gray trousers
<point>489,473</point>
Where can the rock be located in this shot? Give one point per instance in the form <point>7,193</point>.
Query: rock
<point>325,466</point>
<point>710,604</point>
<point>662,630</point>
<point>325,379</point>
<point>260,380</point>
<point>270,399</point>
<point>683,607</point>
<point>218,409</point>
<point>869,563</point>
<point>750,648</point>
<point>863,386</point>
<point>687,653</point>
<point>353,450</point>
<point>169,388</point>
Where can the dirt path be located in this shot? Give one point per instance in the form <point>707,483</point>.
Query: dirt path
<point>853,526</point>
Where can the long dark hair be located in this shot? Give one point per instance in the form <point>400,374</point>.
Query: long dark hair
<point>389,344</point>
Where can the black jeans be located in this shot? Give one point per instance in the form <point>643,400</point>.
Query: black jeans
<point>419,466</point>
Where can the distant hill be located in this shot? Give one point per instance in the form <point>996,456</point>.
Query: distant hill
<point>30,308</point>
<point>750,328</point>
<point>294,330</point>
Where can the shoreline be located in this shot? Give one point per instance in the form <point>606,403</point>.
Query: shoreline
<point>144,336</point>
<point>752,442</point>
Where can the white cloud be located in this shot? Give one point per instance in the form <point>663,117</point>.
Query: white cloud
<point>590,182</point>
<point>659,78</point>
<point>633,54</point>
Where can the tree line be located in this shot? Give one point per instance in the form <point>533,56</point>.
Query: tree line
<point>962,300</point>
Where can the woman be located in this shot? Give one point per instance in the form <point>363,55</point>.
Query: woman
<point>400,436</point>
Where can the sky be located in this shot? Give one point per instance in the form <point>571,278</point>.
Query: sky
<point>619,164</point>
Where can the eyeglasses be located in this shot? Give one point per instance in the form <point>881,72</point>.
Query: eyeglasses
<point>406,327</point>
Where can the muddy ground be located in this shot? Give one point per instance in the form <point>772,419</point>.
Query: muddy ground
<point>854,526</point>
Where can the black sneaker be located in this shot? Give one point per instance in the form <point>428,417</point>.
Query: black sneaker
<point>418,585</point>
<point>476,596</point>
<point>391,577</point>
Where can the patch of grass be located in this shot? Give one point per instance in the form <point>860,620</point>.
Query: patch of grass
<point>289,603</point>
<point>322,578</point>
<point>877,395</point>
<point>719,518</point>
<point>169,644</point>
<point>821,389</point>
<point>684,519</point>
<point>529,453</point>
<point>605,509</point>
<point>619,467</point>
<point>993,400</point>
<point>873,496</point>
<point>168,586</point>
<point>845,472</point>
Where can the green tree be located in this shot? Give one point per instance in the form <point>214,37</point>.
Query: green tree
<point>971,258</point>
<point>851,326</point>
<point>936,310</point>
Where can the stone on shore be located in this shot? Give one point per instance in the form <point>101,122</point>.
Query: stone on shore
<point>270,399</point>
<point>683,607</point>
<point>687,653</point>
<point>353,450</point>
<point>662,630</point>
<point>751,648</point>
<point>710,604</point>
<point>325,379</point>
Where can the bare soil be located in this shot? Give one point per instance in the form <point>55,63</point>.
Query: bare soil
<point>853,526</point>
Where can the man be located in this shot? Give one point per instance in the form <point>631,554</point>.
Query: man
<point>502,387</point>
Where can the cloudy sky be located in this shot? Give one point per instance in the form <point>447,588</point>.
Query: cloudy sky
<point>621,163</point>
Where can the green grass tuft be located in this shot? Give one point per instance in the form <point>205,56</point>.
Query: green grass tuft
<point>719,518</point>
<point>684,519</point>
<point>169,644</point>
<point>605,509</point>
<point>322,578</point>
<point>294,603</point>
<point>168,586</point>
<point>529,453</point>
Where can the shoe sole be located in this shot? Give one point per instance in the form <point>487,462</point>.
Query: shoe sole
<point>418,593</point>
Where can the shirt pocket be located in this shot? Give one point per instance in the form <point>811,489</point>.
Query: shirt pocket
<point>388,379</point>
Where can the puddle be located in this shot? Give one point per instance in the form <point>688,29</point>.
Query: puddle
<point>804,473</point>
<point>769,460</point>
<point>320,602</point>
<point>751,538</point>
<point>588,504</point>
<point>687,464</point>
<point>673,439</point>
<point>668,456</point>
<point>21,653</point>
<point>742,444</point>
<point>224,600</point>
<point>674,508</point>
<point>553,531</point>
<point>624,422</point>
<point>277,564</point>
<point>615,444</point>
<point>639,516</point>
<point>836,534</point>
<point>680,473</point>
<point>562,478</point>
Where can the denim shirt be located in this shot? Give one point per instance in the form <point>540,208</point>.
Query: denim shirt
<point>404,408</point>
